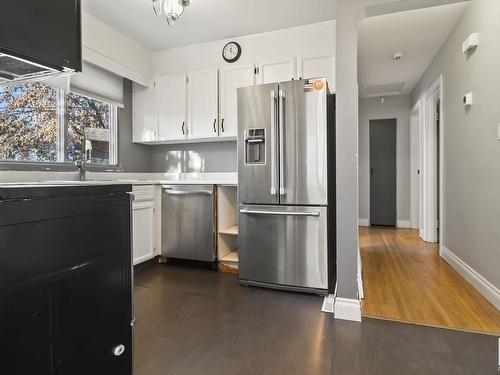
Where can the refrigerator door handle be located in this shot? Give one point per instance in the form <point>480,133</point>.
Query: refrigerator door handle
<point>282,141</point>
<point>273,142</point>
<point>280,213</point>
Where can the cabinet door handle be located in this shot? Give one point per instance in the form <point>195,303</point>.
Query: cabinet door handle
<point>215,129</point>
<point>183,132</point>
<point>222,125</point>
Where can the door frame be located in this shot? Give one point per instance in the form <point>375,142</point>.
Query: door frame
<point>430,170</point>
<point>416,127</point>
<point>370,176</point>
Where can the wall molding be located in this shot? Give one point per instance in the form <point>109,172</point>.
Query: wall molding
<point>116,67</point>
<point>348,309</point>
<point>483,286</point>
<point>363,222</point>
<point>403,224</point>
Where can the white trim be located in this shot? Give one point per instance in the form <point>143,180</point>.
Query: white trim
<point>361,289</point>
<point>404,224</point>
<point>348,309</point>
<point>429,171</point>
<point>143,259</point>
<point>415,166</point>
<point>114,66</point>
<point>483,286</point>
<point>328,304</point>
<point>364,222</point>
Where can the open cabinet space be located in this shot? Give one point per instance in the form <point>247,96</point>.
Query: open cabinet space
<point>227,228</point>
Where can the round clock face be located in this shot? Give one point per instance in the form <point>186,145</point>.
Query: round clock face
<point>231,52</point>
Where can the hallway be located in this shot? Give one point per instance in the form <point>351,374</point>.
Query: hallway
<point>405,279</point>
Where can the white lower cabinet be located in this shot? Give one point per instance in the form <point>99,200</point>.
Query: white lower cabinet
<point>144,223</point>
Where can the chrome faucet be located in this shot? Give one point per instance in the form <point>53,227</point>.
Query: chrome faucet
<point>80,164</point>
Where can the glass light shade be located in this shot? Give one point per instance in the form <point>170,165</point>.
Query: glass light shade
<point>157,7</point>
<point>173,10</point>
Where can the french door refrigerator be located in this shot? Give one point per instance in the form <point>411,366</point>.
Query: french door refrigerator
<point>286,226</point>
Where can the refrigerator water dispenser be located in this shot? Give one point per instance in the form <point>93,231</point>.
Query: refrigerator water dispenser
<point>255,146</point>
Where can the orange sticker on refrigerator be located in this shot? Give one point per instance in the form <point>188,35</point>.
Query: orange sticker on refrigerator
<point>318,85</point>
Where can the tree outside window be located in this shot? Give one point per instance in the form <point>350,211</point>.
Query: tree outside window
<point>41,124</point>
<point>28,123</point>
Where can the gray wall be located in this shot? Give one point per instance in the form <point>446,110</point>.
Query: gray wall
<point>471,147</point>
<point>347,146</point>
<point>195,157</point>
<point>132,157</point>
<point>397,107</point>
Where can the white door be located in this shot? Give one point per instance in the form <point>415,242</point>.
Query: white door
<point>317,67</point>
<point>202,104</point>
<point>143,231</point>
<point>278,71</point>
<point>231,78</point>
<point>144,117</point>
<point>171,102</point>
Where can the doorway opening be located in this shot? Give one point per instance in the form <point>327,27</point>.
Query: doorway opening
<point>383,172</point>
<point>403,277</point>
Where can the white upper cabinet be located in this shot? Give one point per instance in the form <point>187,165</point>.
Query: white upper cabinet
<point>202,104</point>
<point>278,71</point>
<point>231,78</point>
<point>171,103</point>
<point>145,119</point>
<point>317,67</point>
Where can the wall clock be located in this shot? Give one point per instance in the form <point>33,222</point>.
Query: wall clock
<point>231,52</point>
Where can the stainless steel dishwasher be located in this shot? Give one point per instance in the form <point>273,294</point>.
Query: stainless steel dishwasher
<point>188,222</point>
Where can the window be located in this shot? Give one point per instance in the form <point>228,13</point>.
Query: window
<point>28,123</point>
<point>39,123</point>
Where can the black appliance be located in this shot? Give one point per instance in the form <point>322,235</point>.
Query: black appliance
<point>39,39</point>
<point>65,280</point>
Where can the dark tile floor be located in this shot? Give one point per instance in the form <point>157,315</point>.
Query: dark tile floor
<point>193,322</point>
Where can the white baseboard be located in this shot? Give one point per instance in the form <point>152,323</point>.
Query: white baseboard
<point>328,304</point>
<point>483,286</point>
<point>143,258</point>
<point>404,224</point>
<point>361,289</point>
<point>348,309</point>
<point>363,222</point>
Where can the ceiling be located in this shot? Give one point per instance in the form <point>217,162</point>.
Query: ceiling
<point>207,20</point>
<point>419,34</point>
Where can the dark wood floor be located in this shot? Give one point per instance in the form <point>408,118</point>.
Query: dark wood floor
<point>202,322</point>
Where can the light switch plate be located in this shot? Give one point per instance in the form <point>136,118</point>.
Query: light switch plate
<point>498,135</point>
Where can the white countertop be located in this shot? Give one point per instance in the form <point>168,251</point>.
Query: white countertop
<point>16,178</point>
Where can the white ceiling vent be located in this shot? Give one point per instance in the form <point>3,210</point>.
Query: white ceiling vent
<point>384,90</point>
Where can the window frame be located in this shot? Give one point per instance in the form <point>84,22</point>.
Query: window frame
<point>61,133</point>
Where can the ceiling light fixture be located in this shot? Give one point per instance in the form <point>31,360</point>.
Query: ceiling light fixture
<point>172,9</point>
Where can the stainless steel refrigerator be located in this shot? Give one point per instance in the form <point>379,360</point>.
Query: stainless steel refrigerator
<point>284,131</point>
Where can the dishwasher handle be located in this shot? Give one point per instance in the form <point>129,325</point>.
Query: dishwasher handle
<point>186,192</point>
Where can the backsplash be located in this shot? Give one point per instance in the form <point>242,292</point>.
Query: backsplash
<point>194,158</point>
